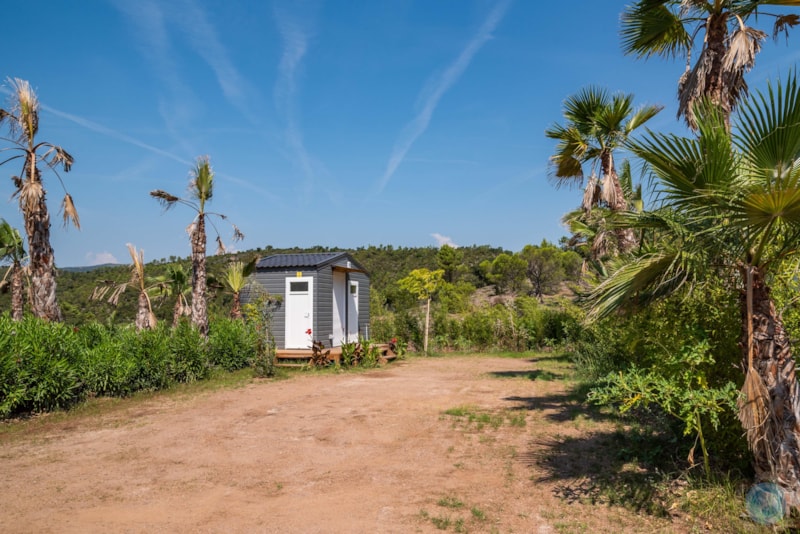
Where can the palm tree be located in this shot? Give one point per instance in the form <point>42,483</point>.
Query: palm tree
<point>145,318</point>
<point>235,279</point>
<point>201,189</point>
<point>731,208</point>
<point>597,124</point>
<point>12,249</point>
<point>176,283</point>
<point>22,118</point>
<point>671,28</point>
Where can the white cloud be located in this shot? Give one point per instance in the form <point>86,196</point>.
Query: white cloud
<point>100,258</point>
<point>443,240</point>
<point>433,91</point>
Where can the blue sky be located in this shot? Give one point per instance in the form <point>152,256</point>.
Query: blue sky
<point>338,123</point>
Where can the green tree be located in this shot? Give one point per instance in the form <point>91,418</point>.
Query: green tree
<point>672,28</point>
<point>423,284</point>
<point>506,272</point>
<point>175,283</point>
<point>201,190</point>
<point>596,125</point>
<point>450,260</point>
<point>22,118</point>
<point>12,250</point>
<point>548,266</point>
<point>234,278</point>
<point>145,318</point>
<point>731,210</point>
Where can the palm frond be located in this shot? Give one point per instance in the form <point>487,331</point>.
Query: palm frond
<point>166,200</point>
<point>645,278</point>
<point>650,28</point>
<point>201,185</point>
<point>70,212</point>
<point>743,45</point>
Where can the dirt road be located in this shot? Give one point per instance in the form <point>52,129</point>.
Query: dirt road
<point>364,452</point>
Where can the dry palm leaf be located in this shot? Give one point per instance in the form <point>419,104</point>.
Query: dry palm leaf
<point>753,403</point>
<point>70,213</point>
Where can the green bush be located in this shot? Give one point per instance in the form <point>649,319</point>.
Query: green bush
<point>39,366</point>
<point>231,344</point>
<point>187,360</point>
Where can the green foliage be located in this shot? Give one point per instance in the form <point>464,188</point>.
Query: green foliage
<point>455,298</point>
<point>232,344</point>
<point>450,260</point>
<point>362,353</point>
<point>38,366</point>
<point>258,313</point>
<point>549,266</point>
<point>47,366</point>
<point>422,283</point>
<point>679,385</point>
<point>680,355</point>
<point>187,360</point>
<point>506,272</point>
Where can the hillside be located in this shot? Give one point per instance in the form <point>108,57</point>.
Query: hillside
<point>385,263</point>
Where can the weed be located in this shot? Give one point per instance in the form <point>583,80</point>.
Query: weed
<point>517,419</point>
<point>459,525</point>
<point>450,502</point>
<point>478,514</point>
<point>441,522</point>
<point>460,411</point>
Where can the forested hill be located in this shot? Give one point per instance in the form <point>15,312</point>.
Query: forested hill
<point>385,263</point>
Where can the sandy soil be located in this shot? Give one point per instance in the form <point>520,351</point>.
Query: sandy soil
<point>368,452</point>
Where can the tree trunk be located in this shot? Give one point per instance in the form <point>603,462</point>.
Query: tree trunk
<point>17,293</point>
<point>236,309</point>
<point>427,325</point>
<point>615,198</point>
<point>716,84</point>
<point>143,316</point>
<point>44,303</point>
<point>776,456</point>
<point>199,305</point>
<point>177,311</point>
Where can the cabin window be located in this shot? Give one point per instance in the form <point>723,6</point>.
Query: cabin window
<point>297,287</point>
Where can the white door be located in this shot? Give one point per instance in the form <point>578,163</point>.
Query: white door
<point>352,312</point>
<point>339,296</point>
<point>299,312</point>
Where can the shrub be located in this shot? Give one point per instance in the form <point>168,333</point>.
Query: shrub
<point>231,344</point>
<point>39,366</point>
<point>187,358</point>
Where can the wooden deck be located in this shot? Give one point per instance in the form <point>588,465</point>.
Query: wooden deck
<point>301,357</point>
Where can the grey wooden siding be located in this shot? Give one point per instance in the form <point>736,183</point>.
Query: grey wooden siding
<point>363,303</point>
<point>323,305</point>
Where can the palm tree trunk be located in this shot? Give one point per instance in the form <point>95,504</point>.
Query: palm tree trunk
<point>17,293</point>
<point>199,305</point>
<point>143,313</point>
<point>42,262</point>
<point>717,35</point>
<point>236,309</point>
<point>777,443</point>
<point>615,198</point>
<point>177,311</point>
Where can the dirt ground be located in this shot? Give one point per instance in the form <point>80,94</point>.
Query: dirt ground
<point>370,452</point>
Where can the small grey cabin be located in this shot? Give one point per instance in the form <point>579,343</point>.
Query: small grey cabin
<point>324,293</point>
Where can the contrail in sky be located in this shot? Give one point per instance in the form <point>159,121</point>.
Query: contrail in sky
<point>419,124</point>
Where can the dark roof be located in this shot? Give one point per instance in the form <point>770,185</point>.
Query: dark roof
<point>314,259</point>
